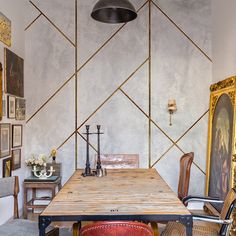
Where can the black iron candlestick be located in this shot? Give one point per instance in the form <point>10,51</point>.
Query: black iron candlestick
<point>99,159</point>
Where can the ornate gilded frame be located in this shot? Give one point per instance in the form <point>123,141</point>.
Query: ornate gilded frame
<point>228,87</point>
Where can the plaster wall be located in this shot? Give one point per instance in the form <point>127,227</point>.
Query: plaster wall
<point>13,10</point>
<point>224,37</point>
<point>115,88</point>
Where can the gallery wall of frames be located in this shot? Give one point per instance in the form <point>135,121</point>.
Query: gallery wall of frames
<point>126,74</point>
<point>12,100</point>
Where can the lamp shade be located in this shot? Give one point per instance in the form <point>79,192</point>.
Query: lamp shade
<point>113,11</point>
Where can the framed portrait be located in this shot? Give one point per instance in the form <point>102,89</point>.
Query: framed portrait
<point>5,30</point>
<point>5,139</point>
<point>1,95</point>
<point>16,136</point>
<point>6,167</point>
<point>20,109</point>
<point>16,159</point>
<point>14,74</point>
<point>221,149</point>
<point>11,104</point>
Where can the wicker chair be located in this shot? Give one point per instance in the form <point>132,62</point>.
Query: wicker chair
<point>116,228</point>
<point>10,187</point>
<point>177,229</point>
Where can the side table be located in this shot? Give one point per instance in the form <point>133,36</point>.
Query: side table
<point>34,184</point>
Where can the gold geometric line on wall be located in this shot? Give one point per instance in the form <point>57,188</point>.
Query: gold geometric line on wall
<point>117,89</point>
<point>55,26</point>
<point>99,107</point>
<point>33,22</point>
<point>87,142</point>
<point>152,121</point>
<point>82,66</point>
<point>172,21</point>
<point>50,98</point>
<point>65,140</point>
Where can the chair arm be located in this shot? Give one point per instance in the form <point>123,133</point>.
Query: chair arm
<point>201,199</point>
<point>212,219</point>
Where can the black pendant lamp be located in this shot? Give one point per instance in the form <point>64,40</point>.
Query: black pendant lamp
<point>113,11</point>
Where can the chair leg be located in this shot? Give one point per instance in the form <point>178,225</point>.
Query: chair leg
<point>154,226</point>
<point>76,228</point>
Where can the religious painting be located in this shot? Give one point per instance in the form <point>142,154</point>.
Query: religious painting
<point>14,74</point>
<point>16,159</point>
<point>5,30</point>
<point>16,136</point>
<point>20,109</point>
<point>11,104</point>
<point>5,137</point>
<point>6,167</point>
<point>220,161</point>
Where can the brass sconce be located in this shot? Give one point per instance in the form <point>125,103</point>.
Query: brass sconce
<point>171,108</point>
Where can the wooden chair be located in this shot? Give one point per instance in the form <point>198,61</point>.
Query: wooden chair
<point>10,187</point>
<point>116,228</point>
<point>184,174</point>
<point>177,229</point>
<point>116,161</point>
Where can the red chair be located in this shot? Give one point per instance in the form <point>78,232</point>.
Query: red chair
<point>116,228</point>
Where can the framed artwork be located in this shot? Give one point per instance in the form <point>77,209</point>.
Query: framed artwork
<point>5,139</point>
<point>16,136</point>
<point>16,159</point>
<point>1,103</point>
<point>5,30</point>
<point>6,167</point>
<point>20,109</point>
<point>11,104</point>
<point>221,158</point>
<point>14,74</point>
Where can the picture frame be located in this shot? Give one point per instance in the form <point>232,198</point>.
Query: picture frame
<point>20,109</point>
<point>1,95</point>
<point>5,140</point>
<point>11,105</point>
<point>221,151</point>
<point>14,74</point>
<point>7,167</point>
<point>16,159</point>
<point>16,135</point>
<point>5,30</point>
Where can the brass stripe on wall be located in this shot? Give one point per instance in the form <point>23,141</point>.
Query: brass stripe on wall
<point>33,22</point>
<point>81,67</point>
<point>76,84</point>
<point>87,141</point>
<point>56,27</point>
<point>181,31</point>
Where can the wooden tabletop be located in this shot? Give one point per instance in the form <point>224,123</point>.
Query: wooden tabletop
<point>121,192</point>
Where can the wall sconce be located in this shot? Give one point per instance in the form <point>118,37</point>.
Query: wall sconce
<point>171,108</point>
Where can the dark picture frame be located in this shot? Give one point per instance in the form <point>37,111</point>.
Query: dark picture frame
<point>7,167</point>
<point>16,159</point>
<point>11,105</point>
<point>17,135</point>
<point>5,140</point>
<point>20,108</point>
<point>14,73</point>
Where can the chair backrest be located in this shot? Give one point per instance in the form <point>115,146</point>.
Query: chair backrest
<point>184,175</point>
<point>116,161</point>
<point>9,186</point>
<point>116,228</point>
<point>227,209</point>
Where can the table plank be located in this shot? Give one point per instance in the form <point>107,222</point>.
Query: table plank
<point>121,192</point>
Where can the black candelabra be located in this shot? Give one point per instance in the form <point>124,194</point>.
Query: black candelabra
<point>98,171</point>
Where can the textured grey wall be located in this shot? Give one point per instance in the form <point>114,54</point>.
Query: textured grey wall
<point>108,56</point>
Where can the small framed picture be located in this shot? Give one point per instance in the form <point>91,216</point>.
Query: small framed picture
<point>16,136</point>
<point>6,167</point>
<point>20,109</point>
<point>5,140</point>
<point>11,104</point>
<point>16,159</point>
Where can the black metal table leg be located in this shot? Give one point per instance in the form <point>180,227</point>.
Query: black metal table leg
<point>187,221</point>
<point>44,222</point>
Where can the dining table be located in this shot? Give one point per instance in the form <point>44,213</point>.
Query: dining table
<point>123,194</point>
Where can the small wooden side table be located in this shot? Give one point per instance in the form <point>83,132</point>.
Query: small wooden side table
<point>34,183</point>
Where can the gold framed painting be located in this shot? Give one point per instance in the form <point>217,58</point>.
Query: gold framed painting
<point>5,30</point>
<point>221,158</point>
<point>7,167</point>
<point>1,108</point>
<point>5,140</point>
